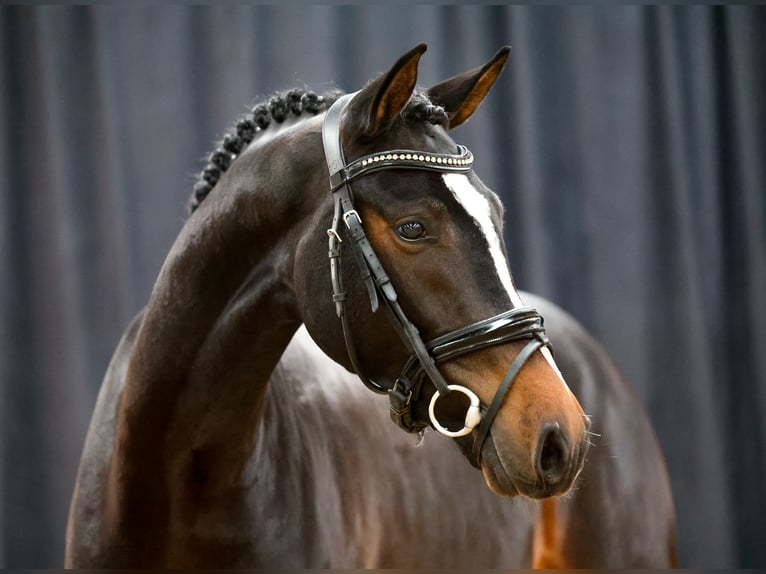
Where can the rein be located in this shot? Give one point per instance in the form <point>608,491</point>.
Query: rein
<point>513,325</point>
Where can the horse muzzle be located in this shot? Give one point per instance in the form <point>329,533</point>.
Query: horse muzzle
<point>548,467</point>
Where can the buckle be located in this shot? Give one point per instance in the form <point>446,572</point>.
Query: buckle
<point>400,398</point>
<point>348,214</point>
<point>402,395</point>
<point>333,234</point>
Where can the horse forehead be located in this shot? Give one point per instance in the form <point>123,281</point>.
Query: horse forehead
<point>408,135</point>
<point>482,207</point>
<point>473,196</point>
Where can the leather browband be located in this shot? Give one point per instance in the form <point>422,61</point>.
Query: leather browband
<point>402,159</point>
<point>512,325</point>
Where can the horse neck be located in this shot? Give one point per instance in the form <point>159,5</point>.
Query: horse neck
<point>220,315</point>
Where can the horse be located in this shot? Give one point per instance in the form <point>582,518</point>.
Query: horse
<point>340,244</point>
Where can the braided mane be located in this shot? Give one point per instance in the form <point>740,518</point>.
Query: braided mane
<point>278,109</point>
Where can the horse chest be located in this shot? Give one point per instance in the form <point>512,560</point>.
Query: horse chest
<point>333,482</point>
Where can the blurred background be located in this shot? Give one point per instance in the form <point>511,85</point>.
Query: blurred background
<point>626,142</point>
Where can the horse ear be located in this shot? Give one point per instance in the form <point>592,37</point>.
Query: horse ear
<point>382,99</point>
<point>462,94</point>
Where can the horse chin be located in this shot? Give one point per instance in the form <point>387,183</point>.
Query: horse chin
<point>502,480</point>
<point>496,476</point>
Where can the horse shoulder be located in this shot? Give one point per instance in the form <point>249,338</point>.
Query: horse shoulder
<point>621,511</point>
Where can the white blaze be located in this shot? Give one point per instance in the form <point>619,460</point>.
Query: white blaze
<point>549,357</point>
<point>478,207</point>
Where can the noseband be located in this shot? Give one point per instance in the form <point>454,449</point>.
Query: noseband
<point>513,325</point>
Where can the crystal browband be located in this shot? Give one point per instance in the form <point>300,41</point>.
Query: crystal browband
<point>462,162</point>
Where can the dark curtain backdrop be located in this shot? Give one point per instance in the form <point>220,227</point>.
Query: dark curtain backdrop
<point>627,143</point>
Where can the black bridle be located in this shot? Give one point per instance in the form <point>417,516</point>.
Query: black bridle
<point>513,325</point>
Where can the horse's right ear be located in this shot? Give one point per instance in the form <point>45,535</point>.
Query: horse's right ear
<point>378,103</point>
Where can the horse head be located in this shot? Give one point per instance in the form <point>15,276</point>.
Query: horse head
<point>421,304</point>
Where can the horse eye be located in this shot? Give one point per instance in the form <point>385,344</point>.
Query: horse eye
<point>411,230</point>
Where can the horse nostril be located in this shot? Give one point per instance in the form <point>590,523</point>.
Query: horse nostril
<point>552,454</point>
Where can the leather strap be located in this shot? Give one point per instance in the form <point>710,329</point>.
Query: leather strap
<point>510,375</point>
<point>342,204</point>
<point>333,149</point>
<point>403,159</point>
<point>511,325</point>
<point>371,269</point>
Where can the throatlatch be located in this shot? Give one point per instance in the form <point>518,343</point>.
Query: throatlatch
<point>512,325</point>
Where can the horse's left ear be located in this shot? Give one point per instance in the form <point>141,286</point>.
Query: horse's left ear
<point>378,103</point>
<point>461,95</point>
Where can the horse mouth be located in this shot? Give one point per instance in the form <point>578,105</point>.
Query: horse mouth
<point>495,473</point>
<point>502,480</point>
